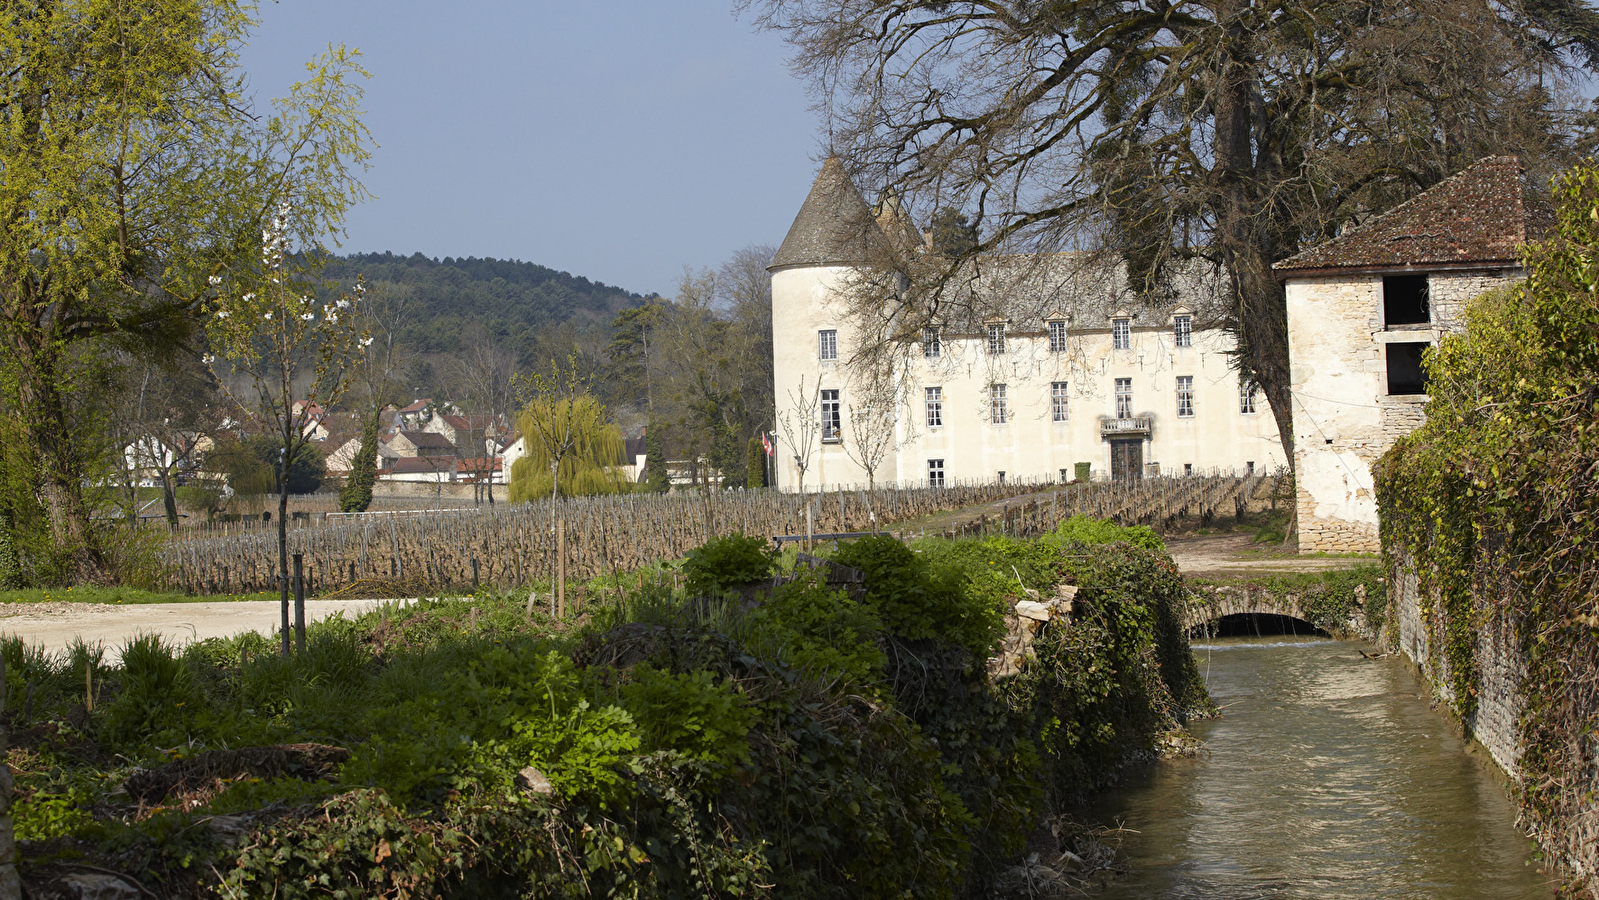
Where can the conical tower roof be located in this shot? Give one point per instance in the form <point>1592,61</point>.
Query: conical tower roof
<point>834,227</point>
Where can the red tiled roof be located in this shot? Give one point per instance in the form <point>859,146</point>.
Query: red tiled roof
<point>1478,216</point>
<point>478,464</point>
<point>418,406</point>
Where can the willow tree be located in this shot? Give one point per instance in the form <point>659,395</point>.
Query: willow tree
<point>1175,134</point>
<point>573,448</point>
<point>133,172</point>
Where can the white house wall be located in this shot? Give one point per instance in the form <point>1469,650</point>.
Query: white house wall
<point>1029,445</point>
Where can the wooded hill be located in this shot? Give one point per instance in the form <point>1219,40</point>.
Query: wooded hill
<point>439,298</point>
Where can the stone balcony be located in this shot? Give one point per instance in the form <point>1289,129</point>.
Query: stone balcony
<point>1135,426</point>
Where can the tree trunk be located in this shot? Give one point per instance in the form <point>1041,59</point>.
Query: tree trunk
<point>169,498</point>
<point>283,538</point>
<point>1243,229</point>
<point>51,438</point>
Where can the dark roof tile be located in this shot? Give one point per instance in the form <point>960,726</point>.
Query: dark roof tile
<point>834,227</point>
<point>1479,215</point>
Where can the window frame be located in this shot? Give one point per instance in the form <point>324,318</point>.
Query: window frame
<point>1248,392</point>
<point>996,338</point>
<point>827,344</point>
<point>1183,330</point>
<point>1121,333</point>
<point>933,397</point>
<point>1123,398</point>
<point>832,416</point>
<point>935,467</point>
<point>1059,401</point>
<point>1057,335</point>
<point>1185,396</point>
<point>932,342</point>
<point>998,404</point>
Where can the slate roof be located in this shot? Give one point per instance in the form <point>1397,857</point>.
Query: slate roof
<point>430,440</point>
<point>834,227</point>
<point>1478,216</point>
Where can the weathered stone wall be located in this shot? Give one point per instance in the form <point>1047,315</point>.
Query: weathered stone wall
<point>1496,723</point>
<point>1344,418</point>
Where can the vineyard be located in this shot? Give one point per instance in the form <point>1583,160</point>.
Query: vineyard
<point>514,544</point>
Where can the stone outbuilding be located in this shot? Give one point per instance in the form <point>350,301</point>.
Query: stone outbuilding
<point>1363,307</point>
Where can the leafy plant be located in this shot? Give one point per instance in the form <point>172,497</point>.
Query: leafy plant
<point>726,562</point>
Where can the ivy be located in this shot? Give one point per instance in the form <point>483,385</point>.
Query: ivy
<point>1494,505</point>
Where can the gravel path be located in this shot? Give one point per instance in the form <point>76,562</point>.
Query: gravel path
<point>54,624</point>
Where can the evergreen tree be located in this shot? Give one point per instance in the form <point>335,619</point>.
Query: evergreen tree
<point>655,461</point>
<point>755,464</point>
<point>356,494</point>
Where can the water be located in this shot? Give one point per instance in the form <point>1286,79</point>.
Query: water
<point>1327,777</point>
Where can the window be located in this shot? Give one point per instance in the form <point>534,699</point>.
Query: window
<point>1182,330</point>
<point>1249,467</point>
<point>831,419</point>
<point>1065,476</point>
<point>998,409</point>
<point>1001,476</point>
<point>1404,300</point>
<point>1405,375</point>
<point>932,343</point>
<point>1188,468</point>
<point>828,341</point>
<point>1124,398</point>
<point>1057,336</point>
<point>935,407</point>
<point>935,473</point>
<point>1057,401</point>
<point>1121,334</point>
<point>1247,389</point>
<point>996,339</point>
<point>1185,396</point>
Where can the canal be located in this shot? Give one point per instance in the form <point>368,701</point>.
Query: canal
<point>1327,776</point>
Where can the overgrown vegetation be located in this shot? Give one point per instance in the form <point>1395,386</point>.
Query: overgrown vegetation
<point>804,741</point>
<point>1494,505</point>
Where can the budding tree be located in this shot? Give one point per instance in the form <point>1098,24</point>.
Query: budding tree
<point>294,351</point>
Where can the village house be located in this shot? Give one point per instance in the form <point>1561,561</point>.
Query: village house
<point>421,443</point>
<point>1363,307</point>
<point>1054,365</point>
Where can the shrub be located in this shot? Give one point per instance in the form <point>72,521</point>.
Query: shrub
<point>692,713</point>
<point>158,697</point>
<point>1090,530</point>
<point>918,603</point>
<point>822,630</point>
<point>726,562</point>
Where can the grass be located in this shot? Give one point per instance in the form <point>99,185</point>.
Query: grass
<point>123,595</point>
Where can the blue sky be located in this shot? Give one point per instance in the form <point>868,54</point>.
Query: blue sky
<point>620,141</point>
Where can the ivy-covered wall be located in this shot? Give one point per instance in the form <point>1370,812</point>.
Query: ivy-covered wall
<point>1490,517</point>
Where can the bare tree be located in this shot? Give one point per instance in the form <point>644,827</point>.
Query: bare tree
<point>1223,134</point>
<point>799,425</point>
<point>873,426</point>
<point>485,373</point>
<point>171,410</point>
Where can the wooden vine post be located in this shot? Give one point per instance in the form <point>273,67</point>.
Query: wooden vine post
<point>560,568</point>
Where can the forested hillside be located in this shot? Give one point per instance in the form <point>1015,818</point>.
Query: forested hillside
<point>435,300</point>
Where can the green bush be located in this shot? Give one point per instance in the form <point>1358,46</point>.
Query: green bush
<point>821,630</point>
<point>917,602</point>
<point>692,713</point>
<point>1090,530</point>
<point>727,562</point>
<point>159,700</point>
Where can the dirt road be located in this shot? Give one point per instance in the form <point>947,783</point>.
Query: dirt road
<point>1237,554</point>
<point>55,624</point>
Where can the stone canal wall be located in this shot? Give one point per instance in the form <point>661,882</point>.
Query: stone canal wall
<point>1495,722</point>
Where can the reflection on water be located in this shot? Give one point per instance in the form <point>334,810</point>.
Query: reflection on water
<point>1326,777</point>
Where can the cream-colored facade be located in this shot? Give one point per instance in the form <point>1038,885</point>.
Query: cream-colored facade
<point>1029,407</point>
<point>1355,332</point>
